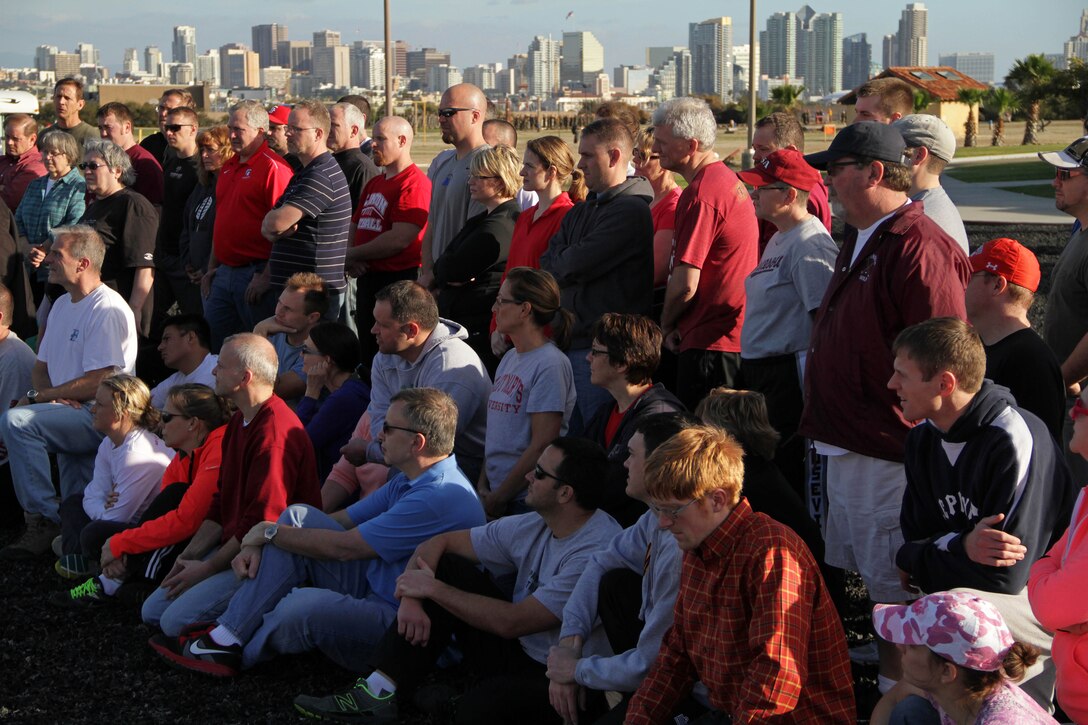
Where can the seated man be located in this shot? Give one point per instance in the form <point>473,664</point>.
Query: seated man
<point>93,336</point>
<point>988,491</point>
<point>268,463</point>
<point>358,552</point>
<point>631,585</point>
<point>748,587</point>
<point>186,348</point>
<point>301,305</point>
<point>443,593</point>
<point>623,358</point>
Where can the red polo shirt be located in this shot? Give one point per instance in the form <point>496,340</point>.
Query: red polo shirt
<point>244,193</point>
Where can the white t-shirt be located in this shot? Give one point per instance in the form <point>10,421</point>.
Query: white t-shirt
<point>97,332</point>
<point>133,469</point>
<point>202,374</point>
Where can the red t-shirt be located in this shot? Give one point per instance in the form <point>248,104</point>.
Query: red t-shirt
<point>664,217</point>
<point>716,233</point>
<point>244,193</point>
<point>406,198</point>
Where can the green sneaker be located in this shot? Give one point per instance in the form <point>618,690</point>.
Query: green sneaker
<point>358,704</point>
<point>88,595</point>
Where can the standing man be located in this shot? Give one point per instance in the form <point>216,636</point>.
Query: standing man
<point>388,226</point>
<point>22,161</point>
<point>884,100</point>
<point>753,620</point>
<point>308,226</point>
<point>896,267</point>
<point>94,336</point>
<point>716,245</point>
<point>363,105</point>
<point>498,132</point>
<point>278,118</point>
<point>236,285</point>
<point>603,254</point>
<point>930,147</point>
<point>172,282</point>
<point>115,124</point>
<point>1065,326</point>
<point>461,117</point>
<point>67,103</point>
<point>157,144</point>
<point>347,130</point>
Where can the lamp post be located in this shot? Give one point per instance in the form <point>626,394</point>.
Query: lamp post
<point>389,60</point>
<point>753,79</point>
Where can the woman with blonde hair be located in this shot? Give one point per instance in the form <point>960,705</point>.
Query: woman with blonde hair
<point>533,395</point>
<point>469,272</point>
<point>195,242</point>
<point>127,469</point>
<point>663,207</point>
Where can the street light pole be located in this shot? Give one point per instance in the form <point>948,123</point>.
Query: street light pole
<point>753,80</point>
<point>389,60</point>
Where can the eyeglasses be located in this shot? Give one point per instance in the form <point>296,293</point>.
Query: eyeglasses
<point>167,417</point>
<point>175,127</point>
<point>478,177</point>
<point>299,129</point>
<point>1079,409</point>
<point>451,111</point>
<point>671,514</point>
<point>834,167</point>
<point>596,352</point>
<point>386,428</point>
<point>309,351</point>
<point>1064,175</point>
<point>83,166</point>
<point>640,158</point>
<point>540,474</point>
<point>500,301</point>
<point>770,187</point>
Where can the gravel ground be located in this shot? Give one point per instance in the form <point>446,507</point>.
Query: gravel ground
<point>87,667</point>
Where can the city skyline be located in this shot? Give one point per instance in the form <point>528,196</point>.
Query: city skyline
<point>499,28</point>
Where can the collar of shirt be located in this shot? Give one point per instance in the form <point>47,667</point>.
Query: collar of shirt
<point>720,542</point>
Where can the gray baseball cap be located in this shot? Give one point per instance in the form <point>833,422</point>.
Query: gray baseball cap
<point>1072,156</point>
<point>923,130</point>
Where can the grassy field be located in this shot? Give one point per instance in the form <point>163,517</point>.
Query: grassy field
<point>1019,170</point>
<point>1045,191</point>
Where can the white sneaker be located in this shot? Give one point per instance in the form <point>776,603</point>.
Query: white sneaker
<point>865,654</point>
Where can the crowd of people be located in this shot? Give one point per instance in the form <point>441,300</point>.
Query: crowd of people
<point>608,441</point>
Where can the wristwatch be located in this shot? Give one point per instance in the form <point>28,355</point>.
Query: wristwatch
<point>270,533</point>
<point>32,395</point>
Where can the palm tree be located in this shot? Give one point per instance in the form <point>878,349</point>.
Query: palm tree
<point>1000,102</point>
<point>972,97</point>
<point>787,96</point>
<point>1030,80</point>
<point>922,101</point>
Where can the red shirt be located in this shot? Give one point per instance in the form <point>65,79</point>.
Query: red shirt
<point>754,622</point>
<point>406,198</point>
<point>16,174</point>
<point>148,173</point>
<point>716,233</point>
<point>245,192</point>
<point>664,216</point>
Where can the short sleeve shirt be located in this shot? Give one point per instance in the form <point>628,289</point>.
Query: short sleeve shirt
<point>244,193</point>
<point>320,192</point>
<point>1066,319</point>
<point>128,225</point>
<point>97,332</point>
<point>451,204</point>
<point>405,198</point>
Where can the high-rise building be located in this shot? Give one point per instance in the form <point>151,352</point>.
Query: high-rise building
<point>88,55</point>
<point>742,63</point>
<point>889,55</point>
<point>419,61</point>
<point>44,57</point>
<point>296,55</point>
<point>911,40</point>
<point>1077,45</point>
<point>206,68</point>
<point>66,65</point>
<point>326,38</point>
<point>266,43</point>
<point>181,74</point>
<point>711,45</point>
<point>823,54</point>
<point>673,78</point>
<point>332,64</point>
<point>152,61</point>
<point>442,76</point>
<point>400,58</point>
<point>481,76</point>
<point>582,60</point>
<point>184,47</point>
<point>130,61</point>
<point>857,56</point>
<point>634,79</point>
<point>506,81</point>
<point>277,78</point>
<point>542,66</point>
<point>778,46</point>
<point>368,65</point>
<point>979,66</point>
<point>239,67</point>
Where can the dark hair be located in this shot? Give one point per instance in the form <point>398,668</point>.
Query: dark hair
<point>117,110</point>
<point>337,340</point>
<point>359,102</point>
<point>193,323</point>
<point>945,343</point>
<point>743,415</point>
<point>184,112</point>
<point>625,113</point>
<point>613,133</point>
<point>504,130</point>
<point>584,468</point>
<point>632,340</point>
<point>896,96</point>
<point>199,401</point>
<point>73,82</point>
<point>787,130</point>
<point>980,685</point>
<point>410,302</point>
<point>659,427</point>
<point>541,291</point>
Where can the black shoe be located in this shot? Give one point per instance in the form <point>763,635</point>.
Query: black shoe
<point>356,705</point>
<point>202,655</point>
<point>88,595</point>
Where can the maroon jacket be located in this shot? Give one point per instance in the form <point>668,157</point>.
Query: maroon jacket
<point>908,272</point>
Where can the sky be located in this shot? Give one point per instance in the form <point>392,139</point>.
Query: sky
<point>484,31</point>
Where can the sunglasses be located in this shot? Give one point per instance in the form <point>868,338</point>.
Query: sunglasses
<point>167,417</point>
<point>451,112</point>
<point>540,474</point>
<point>175,127</point>
<point>1079,409</point>
<point>85,165</point>
<point>1064,175</point>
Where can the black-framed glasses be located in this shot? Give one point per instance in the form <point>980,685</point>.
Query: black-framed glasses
<point>386,428</point>
<point>597,352</point>
<point>540,474</point>
<point>834,167</point>
<point>167,417</point>
<point>673,513</point>
<point>93,166</point>
<point>773,187</point>
<point>1064,175</point>
<point>175,127</point>
<point>451,111</point>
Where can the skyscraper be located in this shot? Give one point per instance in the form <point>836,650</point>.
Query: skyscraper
<point>266,41</point>
<point>778,46</point>
<point>44,57</point>
<point>823,54</point>
<point>368,65</point>
<point>582,61</point>
<point>87,54</point>
<point>326,38</point>
<point>711,45</point>
<point>296,55</point>
<point>979,66</point>
<point>206,68</point>
<point>857,56</point>
<point>913,49</point>
<point>130,62</point>
<point>152,61</point>
<point>542,66</point>
<point>332,64</point>
<point>184,47</point>
<point>239,66</point>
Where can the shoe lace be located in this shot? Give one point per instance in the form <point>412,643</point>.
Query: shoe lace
<point>88,588</point>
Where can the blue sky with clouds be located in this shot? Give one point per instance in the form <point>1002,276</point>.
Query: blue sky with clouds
<point>481,31</point>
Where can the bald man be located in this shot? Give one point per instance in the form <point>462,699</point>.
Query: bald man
<point>388,225</point>
<point>461,118</point>
<point>498,132</point>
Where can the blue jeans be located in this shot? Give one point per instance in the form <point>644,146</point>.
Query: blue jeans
<point>31,433</point>
<point>226,308</point>
<point>203,602</point>
<point>297,603</point>
<point>914,710</point>
<point>590,397</point>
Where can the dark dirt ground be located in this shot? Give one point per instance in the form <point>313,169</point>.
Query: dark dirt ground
<point>92,667</point>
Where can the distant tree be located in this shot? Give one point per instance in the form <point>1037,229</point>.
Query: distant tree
<point>1000,102</point>
<point>972,97</point>
<point>787,97</point>
<point>1030,79</point>
<point>1071,85</point>
<point>922,101</point>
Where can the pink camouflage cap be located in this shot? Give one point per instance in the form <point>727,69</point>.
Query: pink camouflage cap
<point>960,627</point>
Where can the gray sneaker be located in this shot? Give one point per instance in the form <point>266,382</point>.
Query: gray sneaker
<point>36,540</point>
<point>356,705</point>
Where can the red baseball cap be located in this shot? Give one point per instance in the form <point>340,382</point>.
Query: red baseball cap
<point>785,165</point>
<point>1010,259</point>
<point>279,114</point>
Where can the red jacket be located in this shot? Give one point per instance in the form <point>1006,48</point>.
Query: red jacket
<point>908,272</point>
